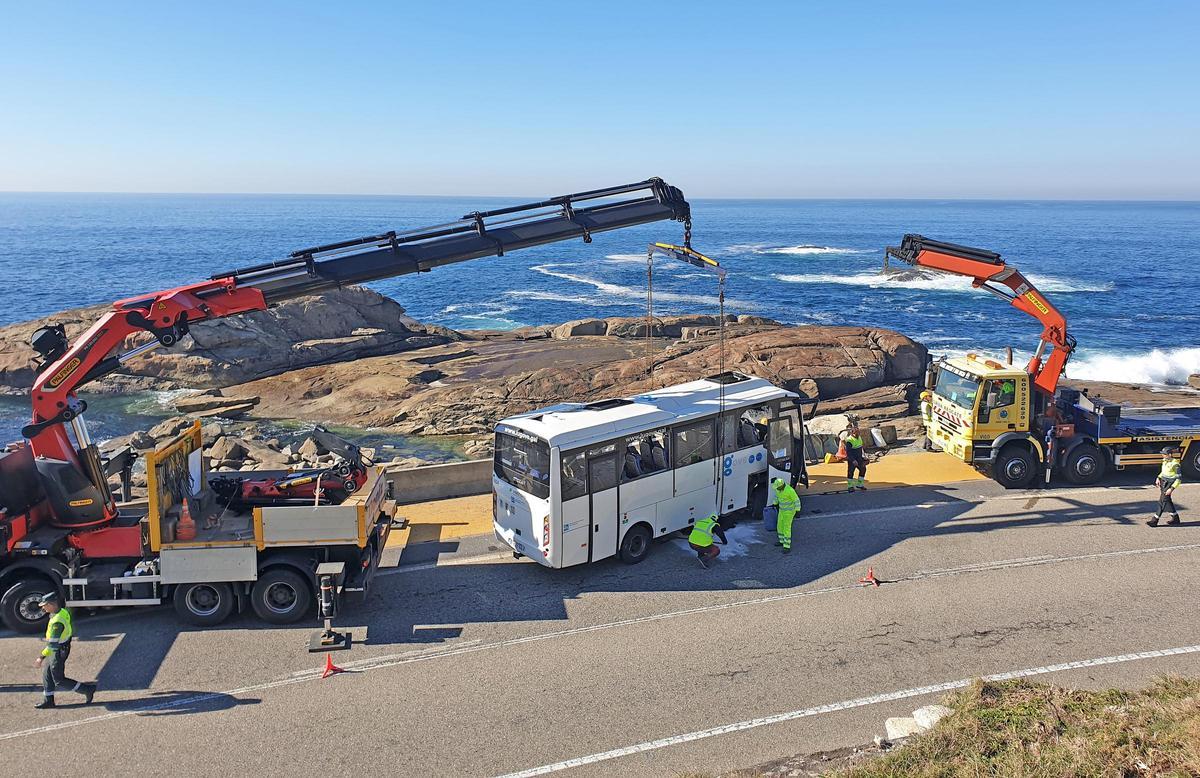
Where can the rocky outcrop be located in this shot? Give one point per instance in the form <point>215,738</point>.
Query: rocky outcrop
<point>337,326</point>
<point>1194,381</point>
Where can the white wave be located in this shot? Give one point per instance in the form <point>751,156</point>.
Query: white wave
<point>626,292</point>
<point>933,282</point>
<point>532,294</point>
<point>801,250</point>
<point>625,258</point>
<point>1158,366</point>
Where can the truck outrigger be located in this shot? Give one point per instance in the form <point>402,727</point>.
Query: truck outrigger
<point>1014,423</point>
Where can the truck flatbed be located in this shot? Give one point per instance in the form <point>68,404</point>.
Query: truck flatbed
<point>1141,422</point>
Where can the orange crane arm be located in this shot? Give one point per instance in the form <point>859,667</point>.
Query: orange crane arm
<point>987,271</point>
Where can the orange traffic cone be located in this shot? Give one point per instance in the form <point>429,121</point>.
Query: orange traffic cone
<point>186,529</point>
<point>330,667</point>
<point>869,579</point>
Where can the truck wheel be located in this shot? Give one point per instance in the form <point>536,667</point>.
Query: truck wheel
<point>636,545</point>
<point>20,607</point>
<point>1085,465</point>
<point>1191,460</point>
<point>1014,467</point>
<point>203,604</point>
<point>281,596</point>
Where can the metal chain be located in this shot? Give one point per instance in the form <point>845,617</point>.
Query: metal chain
<point>687,232</point>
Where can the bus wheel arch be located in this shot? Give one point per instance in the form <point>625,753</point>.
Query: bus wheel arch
<point>635,545</point>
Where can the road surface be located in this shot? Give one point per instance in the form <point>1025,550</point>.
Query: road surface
<point>481,665</point>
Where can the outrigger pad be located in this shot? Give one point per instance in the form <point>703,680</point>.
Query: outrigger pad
<point>329,640</point>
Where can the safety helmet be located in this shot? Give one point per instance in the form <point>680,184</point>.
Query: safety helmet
<point>763,420</point>
<point>778,483</point>
<point>1172,450</point>
<point>48,598</point>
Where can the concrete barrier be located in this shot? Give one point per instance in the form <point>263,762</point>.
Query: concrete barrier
<point>440,482</point>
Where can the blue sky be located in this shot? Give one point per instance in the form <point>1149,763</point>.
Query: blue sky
<point>770,99</point>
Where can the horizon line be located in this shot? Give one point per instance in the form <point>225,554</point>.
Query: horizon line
<point>862,198</point>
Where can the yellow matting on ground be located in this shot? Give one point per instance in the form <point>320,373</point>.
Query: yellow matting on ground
<point>909,468</point>
<point>460,517</point>
<point>457,517</point>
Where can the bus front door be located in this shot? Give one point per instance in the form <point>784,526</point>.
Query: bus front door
<point>602,480</point>
<point>781,449</point>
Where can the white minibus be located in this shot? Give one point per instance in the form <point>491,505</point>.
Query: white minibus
<point>581,482</point>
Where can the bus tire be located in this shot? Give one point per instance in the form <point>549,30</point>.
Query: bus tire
<point>1014,467</point>
<point>1191,460</point>
<point>281,596</point>
<point>1085,465</point>
<point>203,604</point>
<point>635,546</point>
<point>20,607</point>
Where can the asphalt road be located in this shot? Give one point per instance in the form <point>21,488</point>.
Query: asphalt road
<point>482,665</point>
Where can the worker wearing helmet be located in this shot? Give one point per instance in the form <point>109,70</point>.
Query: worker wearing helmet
<point>856,459</point>
<point>1169,479</point>
<point>58,648</point>
<point>785,498</point>
<point>927,416</point>
<point>701,539</point>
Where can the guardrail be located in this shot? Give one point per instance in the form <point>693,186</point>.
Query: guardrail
<point>440,482</point>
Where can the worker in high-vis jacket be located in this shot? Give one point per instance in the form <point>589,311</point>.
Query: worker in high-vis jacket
<point>1169,479</point>
<point>784,497</point>
<point>701,539</point>
<point>856,460</point>
<point>53,660</point>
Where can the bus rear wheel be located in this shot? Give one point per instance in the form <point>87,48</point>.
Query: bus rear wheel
<point>636,545</point>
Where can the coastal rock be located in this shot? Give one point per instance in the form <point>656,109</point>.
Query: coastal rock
<point>212,401</point>
<point>227,448</point>
<point>336,326</point>
<point>1194,381</point>
<point>579,328</point>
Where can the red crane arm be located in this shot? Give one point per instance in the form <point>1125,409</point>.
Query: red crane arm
<point>988,271</point>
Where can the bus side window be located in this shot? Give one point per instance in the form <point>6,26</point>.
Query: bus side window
<point>574,475</point>
<point>694,443</point>
<point>645,453</point>
<point>603,474</point>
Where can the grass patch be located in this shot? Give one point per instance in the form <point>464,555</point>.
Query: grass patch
<point>1019,728</point>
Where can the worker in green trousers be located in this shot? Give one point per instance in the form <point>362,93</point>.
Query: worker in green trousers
<point>785,498</point>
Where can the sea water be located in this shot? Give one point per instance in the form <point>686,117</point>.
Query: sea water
<point>1123,273</point>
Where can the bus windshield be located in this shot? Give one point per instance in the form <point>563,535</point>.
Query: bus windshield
<point>958,390</point>
<point>523,462</point>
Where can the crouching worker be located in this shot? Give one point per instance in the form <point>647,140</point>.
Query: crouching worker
<point>788,502</point>
<point>701,539</point>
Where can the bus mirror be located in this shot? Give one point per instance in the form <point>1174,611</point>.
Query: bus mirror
<point>931,378</point>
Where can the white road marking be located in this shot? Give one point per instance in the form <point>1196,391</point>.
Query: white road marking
<point>674,740</point>
<point>471,647</point>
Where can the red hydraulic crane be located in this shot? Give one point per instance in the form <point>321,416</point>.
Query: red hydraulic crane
<point>988,271</point>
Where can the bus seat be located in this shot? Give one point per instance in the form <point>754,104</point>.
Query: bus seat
<point>646,455</point>
<point>658,455</point>
<point>747,435</point>
<point>633,465</point>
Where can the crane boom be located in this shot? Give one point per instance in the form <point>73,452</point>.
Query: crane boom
<point>988,271</point>
<point>167,315</point>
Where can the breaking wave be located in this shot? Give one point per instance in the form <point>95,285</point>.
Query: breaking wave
<point>933,283</point>
<point>801,250</point>
<point>626,292</point>
<point>625,258</point>
<point>1169,367</point>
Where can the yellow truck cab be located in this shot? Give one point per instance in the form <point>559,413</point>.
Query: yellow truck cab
<point>978,406</point>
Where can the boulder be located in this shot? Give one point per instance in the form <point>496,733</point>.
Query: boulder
<point>170,427</point>
<point>227,448</point>
<point>141,440</point>
<point>211,401</point>
<point>832,424</point>
<point>1194,381</point>
<point>578,328</point>
<point>211,431</point>
<point>309,449</point>
<point>339,325</point>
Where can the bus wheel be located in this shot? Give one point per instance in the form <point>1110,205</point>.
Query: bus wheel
<point>280,596</point>
<point>1085,465</point>
<point>636,545</point>
<point>1014,467</point>
<point>203,604</point>
<point>20,607</point>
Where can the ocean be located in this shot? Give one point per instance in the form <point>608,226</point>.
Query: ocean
<point>1123,273</point>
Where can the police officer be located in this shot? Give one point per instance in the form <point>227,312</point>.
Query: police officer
<point>785,498</point>
<point>856,459</point>
<point>58,648</point>
<point>1169,479</point>
<point>701,539</point>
